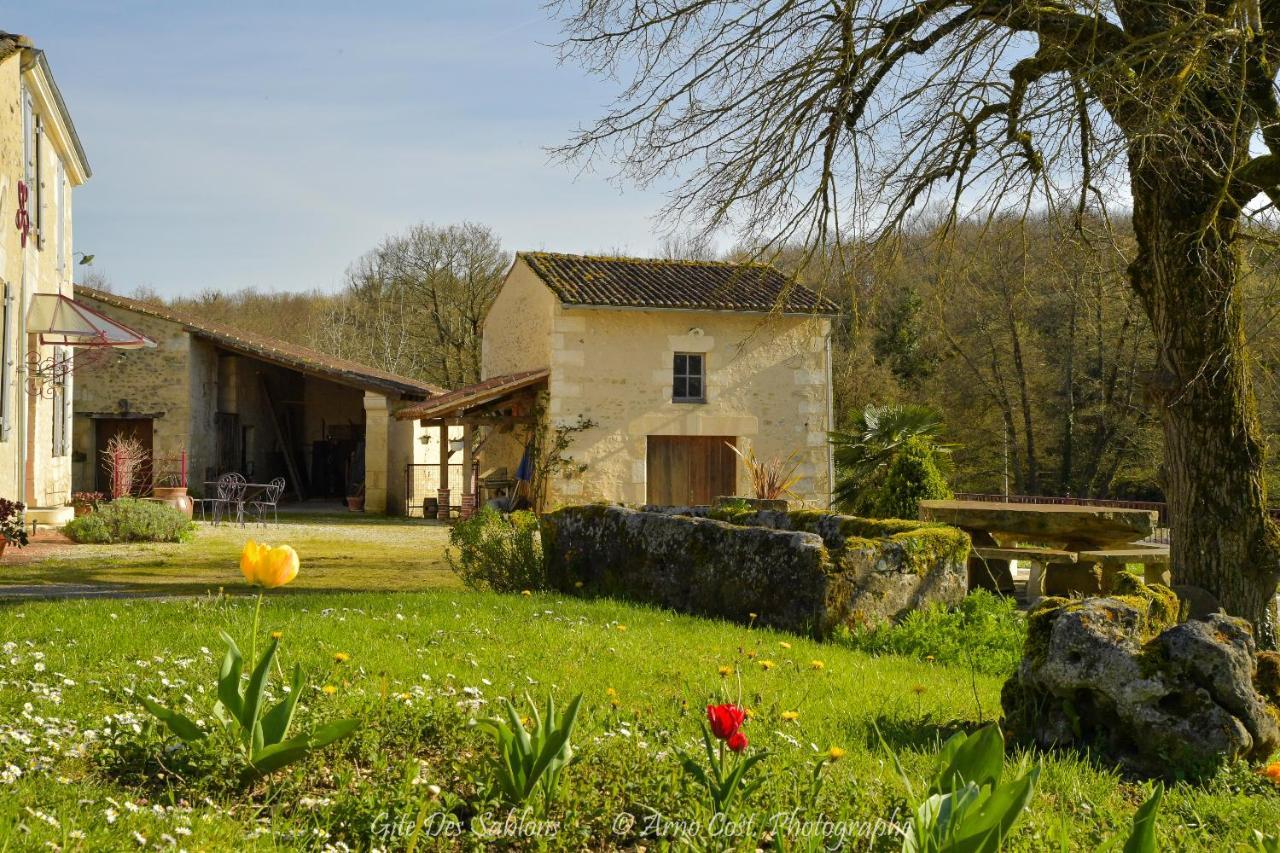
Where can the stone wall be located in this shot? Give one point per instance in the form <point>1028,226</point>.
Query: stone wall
<point>803,571</point>
<point>766,386</point>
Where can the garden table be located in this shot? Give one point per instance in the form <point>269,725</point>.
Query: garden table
<point>1072,548</point>
<point>251,491</point>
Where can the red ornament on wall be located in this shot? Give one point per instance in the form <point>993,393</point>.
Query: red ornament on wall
<point>23,219</point>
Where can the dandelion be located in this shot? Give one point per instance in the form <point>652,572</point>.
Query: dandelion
<point>918,689</point>
<point>622,627</point>
<point>577,585</point>
<point>275,635</point>
<point>766,665</point>
<point>610,692</point>
<point>725,671</point>
<point>835,753</point>
<point>930,658</point>
<point>526,592</point>
<point>328,690</point>
<point>341,657</point>
<point>784,644</point>
<point>790,716</point>
<point>816,664</point>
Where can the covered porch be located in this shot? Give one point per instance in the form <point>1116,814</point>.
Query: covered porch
<point>481,432</point>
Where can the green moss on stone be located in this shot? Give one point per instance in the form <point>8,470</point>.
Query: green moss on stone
<point>1267,677</point>
<point>1040,625</point>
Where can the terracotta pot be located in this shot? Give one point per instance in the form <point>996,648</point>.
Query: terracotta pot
<point>176,497</point>
<point>355,504</point>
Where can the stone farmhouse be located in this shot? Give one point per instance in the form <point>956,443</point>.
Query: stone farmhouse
<point>671,361</point>
<point>41,162</point>
<point>235,401</point>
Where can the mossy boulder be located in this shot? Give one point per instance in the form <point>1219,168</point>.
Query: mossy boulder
<point>1122,677</point>
<point>803,571</point>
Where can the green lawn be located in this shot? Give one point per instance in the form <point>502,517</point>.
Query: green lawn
<point>424,663</point>
<point>340,553</point>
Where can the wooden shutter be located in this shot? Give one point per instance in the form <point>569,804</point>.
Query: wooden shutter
<point>6,367</point>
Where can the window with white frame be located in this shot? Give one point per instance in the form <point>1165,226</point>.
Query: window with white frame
<point>689,378</point>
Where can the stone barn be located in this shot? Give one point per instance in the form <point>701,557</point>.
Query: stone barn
<point>227,400</point>
<point>671,363</point>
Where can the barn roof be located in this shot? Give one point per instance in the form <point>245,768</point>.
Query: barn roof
<point>294,356</point>
<point>649,283</point>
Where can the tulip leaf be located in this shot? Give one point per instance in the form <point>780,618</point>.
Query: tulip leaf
<point>1142,839</point>
<point>275,756</point>
<point>275,723</point>
<point>177,723</point>
<point>976,758</point>
<point>229,679</point>
<point>982,825</point>
<point>253,695</point>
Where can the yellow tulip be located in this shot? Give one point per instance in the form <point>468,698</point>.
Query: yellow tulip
<point>268,567</point>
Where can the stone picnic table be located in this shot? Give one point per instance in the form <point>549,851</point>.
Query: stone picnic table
<point>1072,548</point>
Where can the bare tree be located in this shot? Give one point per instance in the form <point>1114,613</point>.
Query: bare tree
<point>415,304</point>
<point>803,117</point>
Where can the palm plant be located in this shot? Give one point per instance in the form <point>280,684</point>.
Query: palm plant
<point>864,452</point>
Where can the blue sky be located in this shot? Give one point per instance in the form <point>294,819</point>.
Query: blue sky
<point>262,144</point>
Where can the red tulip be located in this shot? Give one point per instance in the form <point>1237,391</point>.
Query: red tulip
<point>737,742</point>
<point>725,720</point>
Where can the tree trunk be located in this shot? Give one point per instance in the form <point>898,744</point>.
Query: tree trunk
<point>1187,274</point>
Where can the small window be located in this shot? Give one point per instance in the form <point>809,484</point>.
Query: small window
<point>689,378</point>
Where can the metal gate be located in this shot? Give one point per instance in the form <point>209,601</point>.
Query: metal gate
<point>422,487</point>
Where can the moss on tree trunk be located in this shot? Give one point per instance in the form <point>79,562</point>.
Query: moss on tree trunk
<point>1187,273</point>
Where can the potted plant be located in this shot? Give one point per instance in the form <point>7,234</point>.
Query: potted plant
<point>13,524</point>
<point>771,480</point>
<point>355,498</point>
<point>86,502</point>
<point>171,484</point>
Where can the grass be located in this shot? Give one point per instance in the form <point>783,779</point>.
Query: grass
<point>423,664</point>
<point>342,554</point>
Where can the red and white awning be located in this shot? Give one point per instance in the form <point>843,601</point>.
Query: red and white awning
<point>61,321</point>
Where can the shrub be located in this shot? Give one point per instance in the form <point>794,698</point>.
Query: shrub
<point>499,552</point>
<point>130,520</point>
<point>985,630</point>
<point>913,477</point>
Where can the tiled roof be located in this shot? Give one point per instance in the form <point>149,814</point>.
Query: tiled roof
<point>490,389</point>
<point>662,284</point>
<point>272,349</point>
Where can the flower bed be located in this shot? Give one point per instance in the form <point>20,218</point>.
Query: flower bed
<point>803,571</point>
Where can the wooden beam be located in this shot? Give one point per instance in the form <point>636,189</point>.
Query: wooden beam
<point>479,420</point>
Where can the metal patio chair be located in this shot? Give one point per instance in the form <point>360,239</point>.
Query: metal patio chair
<point>269,499</point>
<point>229,502</point>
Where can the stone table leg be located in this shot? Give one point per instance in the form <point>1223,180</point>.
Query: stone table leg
<point>1073,579</point>
<point>992,575</point>
<point>1035,582</point>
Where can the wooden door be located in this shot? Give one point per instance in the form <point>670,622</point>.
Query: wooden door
<point>686,470</point>
<point>141,429</point>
